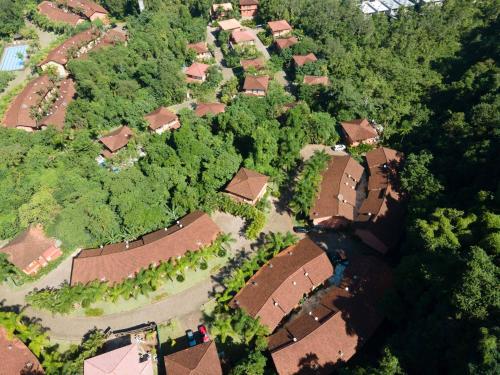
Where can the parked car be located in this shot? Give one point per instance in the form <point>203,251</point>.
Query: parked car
<point>203,332</point>
<point>190,338</point>
<point>339,147</point>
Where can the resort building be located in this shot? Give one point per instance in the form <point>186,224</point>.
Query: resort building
<point>249,8</point>
<point>218,11</point>
<point>247,186</point>
<point>161,120</point>
<point>201,50</point>
<point>124,360</point>
<point>358,132</point>
<point>335,205</point>
<point>242,38</point>
<point>201,359</point>
<point>16,356</point>
<point>280,28</point>
<point>285,43</point>
<point>58,15</point>
<point>32,250</point>
<point>115,141</point>
<point>301,60</point>
<point>277,288</point>
<point>92,11</point>
<point>204,109</point>
<point>197,73</point>
<point>57,112</point>
<point>257,64</point>
<point>316,80</point>
<point>256,86</point>
<point>229,25</point>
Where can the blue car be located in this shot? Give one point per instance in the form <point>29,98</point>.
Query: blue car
<point>190,337</point>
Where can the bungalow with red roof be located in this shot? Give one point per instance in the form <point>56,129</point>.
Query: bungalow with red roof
<point>203,109</point>
<point>201,50</point>
<point>301,60</point>
<point>256,86</point>
<point>247,186</point>
<point>31,250</point>
<point>58,15</point>
<point>197,72</point>
<point>199,359</point>
<point>87,8</point>
<point>249,8</point>
<point>242,38</point>
<point>257,64</point>
<point>332,328</point>
<point>57,112</point>
<point>316,80</point>
<point>380,217</point>
<point>279,28</point>
<point>285,43</point>
<point>229,25</point>
<point>191,233</point>
<point>278,286</point>
<point>161,120</point>
<point>16,357</point>
<point>115,141</point>
<point>125,360</point>
<point>358,132</point>
<point>336,202</point>
<point>218,11</point>
<point>73,47</point>
<point>25,110</point>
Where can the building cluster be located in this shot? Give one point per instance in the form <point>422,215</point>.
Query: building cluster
<point>72,12</point>
<point>45,99</point>
<point>390,7</point>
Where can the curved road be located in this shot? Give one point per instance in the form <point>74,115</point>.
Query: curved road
<point>187,303</point>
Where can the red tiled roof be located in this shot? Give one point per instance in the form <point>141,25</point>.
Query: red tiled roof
<point>160,117</point>
<point>16,357</point>
<point>228,25</point>
<point>62,53</point>
<point>239,36</point>
<point>117,138</point>
<point>276,289</point>
<point>335,327</point>
<point>382,155</point>
<point>256,83</point>
<point>249,2</point>
<point>114,263</point>
<point>337,194</point>
<point>111,38</point>
<point>247,184</point>
<point>201,359</point>
<point>222,6</point>
<point>202,109</point>
<point>301,60</point>
<point>197,69</point>
<point>257,63</point>
<point>359,130</point>
<point>314,80</point>
<point>88,8</point>
<point>286,42</point>
<point>20,110</point>
<point>277,26</point>
<point>56,14</point>
<point>124,360</point>
<point>58,110</point>
<point>200,47</point>
<point>28,246</point>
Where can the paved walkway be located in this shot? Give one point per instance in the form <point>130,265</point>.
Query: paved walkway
<point>227,73</point>
<point>184,305</point>
<point>258,44</point>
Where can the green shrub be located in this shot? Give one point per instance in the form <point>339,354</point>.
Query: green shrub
<point>94,311</point>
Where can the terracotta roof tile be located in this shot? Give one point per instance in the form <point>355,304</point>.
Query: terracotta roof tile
<point>258,63</point>
<point>160,117</point>
<point>240,36</point>
<point>201,359</point>
<point>228,25</point>
<point>200,47</point>
<point>359,130</point>
<point>56,14</point>
<point>256,83</point>
<point>88,8</point>
<point>336,324</point>
<point>277,26</point>
<point>117,138</point>
<point>16,357</point>
<point>20,110</point>
<point>276,289</point>
<point>315,80</point>
<point>28,246</point>
<point>114,263</point>
<point>249,2</point>
<point>197,69</point>
<point>202,109</point>
<point>58,110</point>
<point>301,60</point>
<point>286,42</point>
<point>337,194</point>
<point>247,184</point>
<point>222,6</point>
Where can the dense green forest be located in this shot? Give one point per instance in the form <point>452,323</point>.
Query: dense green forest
<point>429,76</point>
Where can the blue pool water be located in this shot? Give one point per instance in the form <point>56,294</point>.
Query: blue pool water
<point>10,59</point>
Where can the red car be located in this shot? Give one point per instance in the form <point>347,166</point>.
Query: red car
<point>203,332</point>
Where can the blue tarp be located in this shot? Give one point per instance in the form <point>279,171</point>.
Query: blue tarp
<point>11,60</point>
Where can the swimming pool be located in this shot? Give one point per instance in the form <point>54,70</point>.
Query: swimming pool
<point>10,59</point>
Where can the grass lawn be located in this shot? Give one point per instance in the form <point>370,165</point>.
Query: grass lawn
<point>166,290</point>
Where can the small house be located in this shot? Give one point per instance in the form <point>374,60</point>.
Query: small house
<point>161,120</point>
<point>229,25</point>
<point>115,141</point>
<point>256,86</point>
<point>247,186</point>
<point>284,43</point>
<point>279,28</point>
<point>257,64</point>
<point>301,60</point>
<point>358,132</point>
<point>203,109</point>
<point>56,14</point>
<point>199,359</point>
<point>201,50</point>
<point>218,11</point>
<point>197,73</point>
<point>242,38</point>
<point>316,80</point>
<point>249,8</point>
